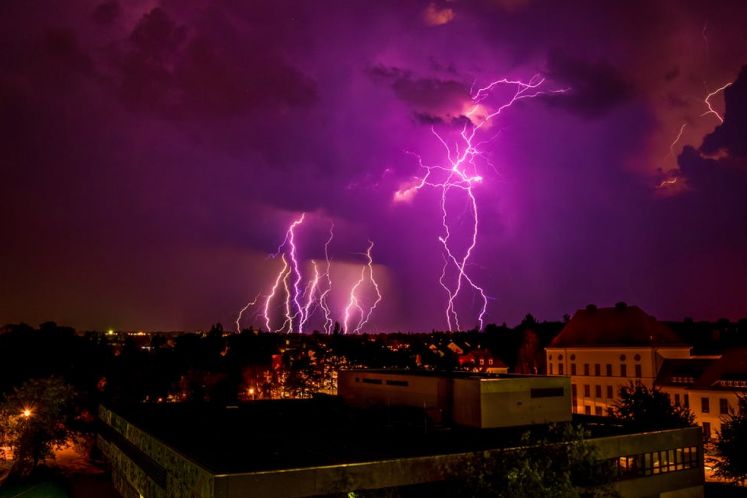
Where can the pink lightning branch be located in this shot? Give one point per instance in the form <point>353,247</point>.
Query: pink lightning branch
<point>458,176</point>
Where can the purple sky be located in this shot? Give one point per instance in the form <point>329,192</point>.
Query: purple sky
<point>154,153</point>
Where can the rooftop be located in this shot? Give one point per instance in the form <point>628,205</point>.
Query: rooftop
<point>286,434</point>
<point>621,325</point>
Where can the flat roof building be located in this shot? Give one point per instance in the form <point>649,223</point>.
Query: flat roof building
<point>335,445</point>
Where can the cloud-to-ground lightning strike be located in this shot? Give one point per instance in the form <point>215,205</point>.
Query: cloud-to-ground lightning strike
<point>328,321</point>
<point>241,312</point>
<point>354,304</point>
<point>299,305</point>
<point>461,175</point>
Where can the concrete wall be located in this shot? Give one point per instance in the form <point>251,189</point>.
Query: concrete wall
<point>524,400</point>
<point>296,483</point>
<point>184,478</point>
<point>429,392</point>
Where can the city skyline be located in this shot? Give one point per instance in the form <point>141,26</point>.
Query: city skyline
<point>156,154</point>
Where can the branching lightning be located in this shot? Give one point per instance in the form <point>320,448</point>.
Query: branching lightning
<point>354,301</point>
<point>460,176</point>
<point>708,98</point>
<point>299,302</point>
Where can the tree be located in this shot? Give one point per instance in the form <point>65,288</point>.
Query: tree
<point>34,419</point>
<point>731,443</point>
<point>560,462</point>
<point>644,409</point>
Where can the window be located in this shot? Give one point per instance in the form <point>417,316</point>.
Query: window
<point>482,361</point>
<point>587,390</point>
<point>598,411</point>
<point>560,369</point>
<point>371,381</point>
<point>400,383</point>
<point>597,369</point>
<point>586,369</point>
<point>598,391</point>
<point>676,399</point>
<point>610,394</point>
<point>657,462</point>
<point>545,392</point>
<point>574,392</point>
<point>706,431</point>
<point>687,400</point>
<point>573,369</point>
<point>587,409</point>
<point>609,369</point>
<point>623,370</point>
<point>638,373</point>
<point>637,357</point>
<point>622,357</point>
<point>573,357</point>
<point>490,361</point>
<point>723,406</point>
<point>549,369</point>
<point>705,405</point>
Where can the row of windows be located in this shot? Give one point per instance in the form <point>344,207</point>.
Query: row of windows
<point>597,391</point>
<point>657,462</point>
<point>597,370</point>
<point>368,380</point>
<point>637,357</point>
<point>705,404</point>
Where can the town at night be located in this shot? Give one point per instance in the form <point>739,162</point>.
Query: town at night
<point>356,249</point>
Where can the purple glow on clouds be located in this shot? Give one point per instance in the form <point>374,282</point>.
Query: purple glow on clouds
<point>155,153</point>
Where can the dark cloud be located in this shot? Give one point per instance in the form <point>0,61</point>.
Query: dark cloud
<point>731,135</point>
<point>432,100</point>
<point>595,87</point>
<point>106,12</point>
<point>183,72</point>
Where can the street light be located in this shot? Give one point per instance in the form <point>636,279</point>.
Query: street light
<point>26,413</point>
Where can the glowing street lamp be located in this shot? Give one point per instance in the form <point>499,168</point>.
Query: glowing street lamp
<point>26,413</point>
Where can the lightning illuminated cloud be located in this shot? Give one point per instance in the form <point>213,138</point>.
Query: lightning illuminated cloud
<point>459,176</point>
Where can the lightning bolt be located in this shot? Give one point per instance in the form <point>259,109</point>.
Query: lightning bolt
<point>354,304</point>
<point>269,298</point>
<point>328,322</point>
<point>460,176</point>
<point>248,305</point>
<point>708,98</point>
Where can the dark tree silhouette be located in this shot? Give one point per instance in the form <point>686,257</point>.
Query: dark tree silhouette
<point>644,409</point>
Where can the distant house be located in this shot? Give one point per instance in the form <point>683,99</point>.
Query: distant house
<point>482,360</point>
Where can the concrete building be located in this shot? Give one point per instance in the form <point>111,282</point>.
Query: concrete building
<point>602,349</point>
<point>710,386</point>
<point>372,437</point>
<point>465,399</point>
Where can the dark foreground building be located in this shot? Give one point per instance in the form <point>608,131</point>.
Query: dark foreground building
<point>327,447</point>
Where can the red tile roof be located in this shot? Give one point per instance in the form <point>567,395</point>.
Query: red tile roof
<point>621,326</point>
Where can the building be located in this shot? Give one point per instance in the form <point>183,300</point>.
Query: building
<point>602,349</point>
<point>710,386</point>
<point>331,446</point>
<point>460,398</point>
